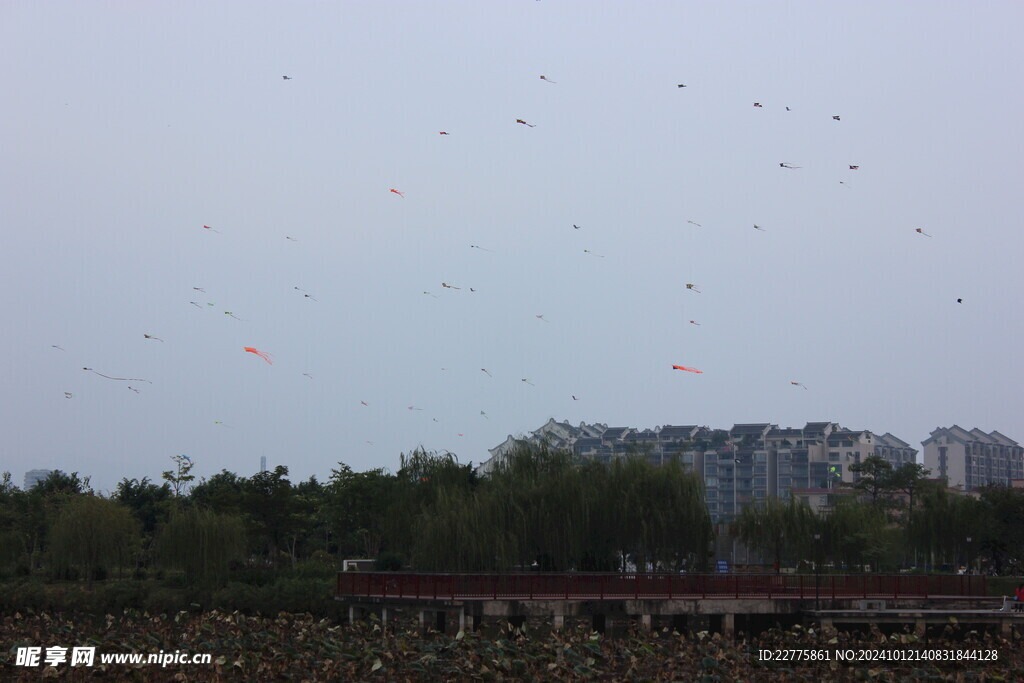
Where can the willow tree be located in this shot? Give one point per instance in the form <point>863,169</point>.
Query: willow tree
<point>202,544</point>
<point>777,528</point>
<point>93,535</point>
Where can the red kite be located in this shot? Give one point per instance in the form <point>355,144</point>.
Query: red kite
<point>683,367</point>
<point>545,78</point>
<point>442,133</point>
<point>797,384</point>
<point>209,228</point>
<point>531,125</point>
<point>690,285</point>
<point>400,194</point>
<point>922,232</point>
<point>265,356</point>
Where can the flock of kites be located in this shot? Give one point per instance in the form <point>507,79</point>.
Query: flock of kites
<point>401,194</point>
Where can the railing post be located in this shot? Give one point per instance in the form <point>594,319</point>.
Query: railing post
<point>801,586</point>
<point>670,576</point>
<point>736,585</point>
<point>600,585</point>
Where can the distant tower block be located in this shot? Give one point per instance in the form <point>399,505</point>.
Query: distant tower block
<point>263,463</point>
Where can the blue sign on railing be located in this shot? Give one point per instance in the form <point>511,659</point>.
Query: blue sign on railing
<point>722,566</point>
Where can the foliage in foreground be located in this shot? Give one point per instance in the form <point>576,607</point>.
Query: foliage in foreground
<point>301,647</point>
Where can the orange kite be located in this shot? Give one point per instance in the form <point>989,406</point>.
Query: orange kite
<point>683,367</point>
<point>265,356</point>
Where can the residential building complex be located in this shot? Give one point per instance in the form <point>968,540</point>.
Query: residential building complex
<point>746,463</point>
<point>970,459</point>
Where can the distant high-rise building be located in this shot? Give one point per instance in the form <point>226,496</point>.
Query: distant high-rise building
<point>263,463</point>
<point>970,459</point>
<point>739,466</point>
<point>33,477</point>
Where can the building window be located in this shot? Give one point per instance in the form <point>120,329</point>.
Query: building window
<point>833,456</point>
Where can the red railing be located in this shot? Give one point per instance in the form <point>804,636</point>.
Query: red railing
<point>587,586</point>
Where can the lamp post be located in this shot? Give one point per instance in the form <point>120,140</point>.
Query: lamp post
<point>817,568</point>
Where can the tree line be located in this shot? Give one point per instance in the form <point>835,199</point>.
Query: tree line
<point>540,509</point>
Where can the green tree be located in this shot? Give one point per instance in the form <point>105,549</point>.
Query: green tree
<point>93,535</point>
<point>202,543</point>
<point>876,477</point>
<point>180,477</point>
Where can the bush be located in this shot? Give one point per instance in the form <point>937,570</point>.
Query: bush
<point>388,562</point>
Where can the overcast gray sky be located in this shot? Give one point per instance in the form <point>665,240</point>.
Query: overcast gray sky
<point>127,126</point>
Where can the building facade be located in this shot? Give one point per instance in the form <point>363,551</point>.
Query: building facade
<point>969,459</point>
<point>738,466</point>
<point>33,477</point>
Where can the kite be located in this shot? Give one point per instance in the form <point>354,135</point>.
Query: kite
<point>690,285</point>
<point>758,227</point>
<point>262,354</point>
<point>68,394</point>
<point>433,295</point>
<point>54,346</point>
<point>575,226</point>
<point>587,251</point>
<point>199,289</point>
<point>435,419</point>
<point>370,442</point>
<point>364,403</point>
<point>290,238</point>
<point>788,109</point>
<point>758,105</point>
<point>400,194</point>
<point>120,379</point>
<point>473,246</point>
<point>797,384</point>
<point>835,118</point>
<point>528,382</point>
<point>531,125</point>
<point>681,85</point>
<point>697,224</point>
<point>541,317</point>
<point>694,322</point>
<point>442,133</point>
<point>485,370</point>
<point>133,389</point>
<point>921,232</point>
<point>287,78</point>
<point>209,228</point>
<point>209,304</point>
<point>683,367</point>
<point>149,336</point>
<point>231,314</point>
<point>309,296</point>
<point>306,374</point>
<point>443,284</point>
<point>574,398</point>
<point>788,165</point>
<point>843,183</point>
<point>196,305</point>
<point>471,289</point>
<point>218,422</point>
<point>414,408</point>
<point>854,168</point>
<point>544,78</point>
<point>959,301</point>
<point>484,414</point>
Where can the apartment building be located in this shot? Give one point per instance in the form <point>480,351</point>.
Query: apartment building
<point>969,459</point>
<point>738,466</point>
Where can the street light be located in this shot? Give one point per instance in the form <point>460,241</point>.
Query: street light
<point>817,569</point>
